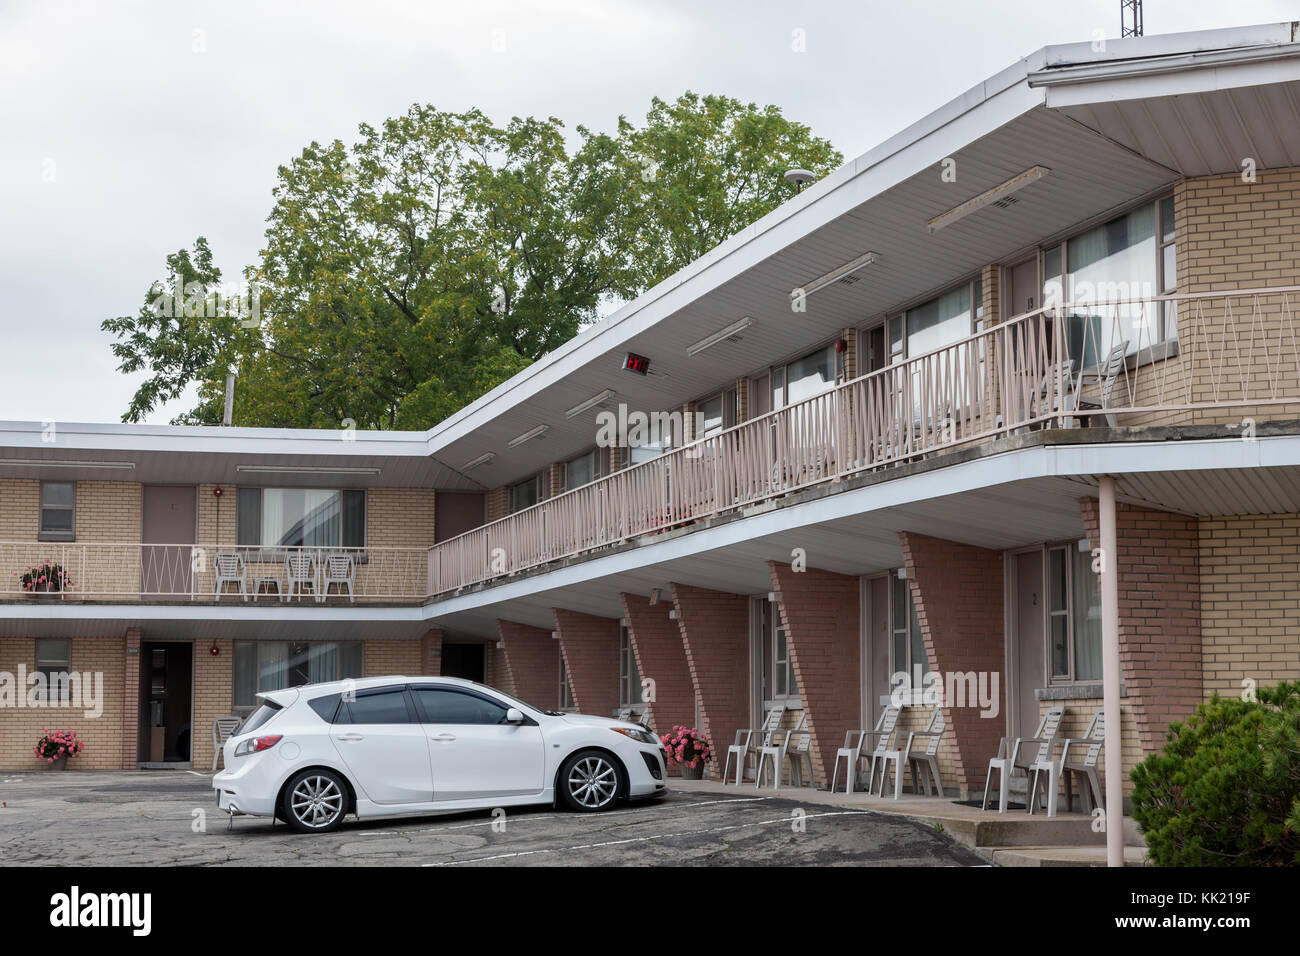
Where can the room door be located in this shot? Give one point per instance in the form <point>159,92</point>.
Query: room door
<point>1030,645</point>
<point>167,536</point>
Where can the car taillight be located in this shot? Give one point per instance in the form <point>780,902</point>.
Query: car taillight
<point>257,744</point>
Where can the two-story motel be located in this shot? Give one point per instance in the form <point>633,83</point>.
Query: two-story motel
<point>912,407</point>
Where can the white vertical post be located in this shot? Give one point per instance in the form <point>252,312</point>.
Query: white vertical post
<point>1110,674</point>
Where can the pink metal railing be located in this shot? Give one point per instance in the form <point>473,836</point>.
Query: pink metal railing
<point>183,572</point>
<point>1057,366</point>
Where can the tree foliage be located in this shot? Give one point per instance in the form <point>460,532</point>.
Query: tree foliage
<point>1225,791</point>
<point>406,275</point>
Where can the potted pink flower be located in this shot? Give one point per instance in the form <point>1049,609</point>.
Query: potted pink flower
<point>57,746</point>
<point>687,749</point>
<point>44,578</point>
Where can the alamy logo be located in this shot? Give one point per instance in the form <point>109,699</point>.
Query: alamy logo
<point>61,689</point>
<point>76,909</point>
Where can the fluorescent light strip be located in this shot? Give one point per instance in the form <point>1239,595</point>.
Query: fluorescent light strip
<point>719,336</point>
<point>480,460</point>
<point>528,435</point>
<point>835,275</point>
<point>304,470</point>
<point>592,402</point>
<point>1031,175</point>
<point>53,463</point>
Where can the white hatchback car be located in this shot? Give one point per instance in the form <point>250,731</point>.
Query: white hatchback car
<point>382,746</point>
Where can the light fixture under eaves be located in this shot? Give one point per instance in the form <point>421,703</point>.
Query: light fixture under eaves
<point>719,336</point>
<point>65,463</point>
<point>480,460</point>
<point>835,275</point>
<point>305,470</point>
<point>592,402</point>
<point>528,435</point>
<point>989,197</point>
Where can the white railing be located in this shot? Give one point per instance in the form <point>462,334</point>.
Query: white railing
<point>1113,363</point>
<point>184,572</point>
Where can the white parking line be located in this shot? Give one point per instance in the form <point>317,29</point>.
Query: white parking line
<point>561,816</point>
<point>644,839</point>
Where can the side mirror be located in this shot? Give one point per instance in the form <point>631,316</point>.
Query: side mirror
<point>514,716</point>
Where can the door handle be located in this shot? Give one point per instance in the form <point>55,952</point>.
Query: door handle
<point>350,737</point>
<point>443,738</point>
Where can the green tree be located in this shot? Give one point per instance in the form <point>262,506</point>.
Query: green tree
<point>407,275</point>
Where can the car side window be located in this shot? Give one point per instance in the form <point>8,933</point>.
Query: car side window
<point>443,705</point>
<point>384,707</point>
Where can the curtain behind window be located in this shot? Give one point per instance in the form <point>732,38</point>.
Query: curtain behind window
<point>1086,593</point>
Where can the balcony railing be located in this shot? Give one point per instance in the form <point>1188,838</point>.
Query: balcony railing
<point>1176,359</point>
<point>184,572</point>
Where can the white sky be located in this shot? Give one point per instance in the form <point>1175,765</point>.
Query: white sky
<point>152,143</point>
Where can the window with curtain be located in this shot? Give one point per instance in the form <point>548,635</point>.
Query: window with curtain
<point>525,494</point>
<point>1074,615</point>
<point>58,510</point>
<point>629,678</point>
<point>260,666</point>
<point>779,683</point>
<point>301,517</point>
<point>580,471</point>
<point>803,378</point>
<point>566,692</point>
<point>908,649</point>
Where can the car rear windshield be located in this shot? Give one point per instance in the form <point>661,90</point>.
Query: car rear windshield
<point>258,717</point>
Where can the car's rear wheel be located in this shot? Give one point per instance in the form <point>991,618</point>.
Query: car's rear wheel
<point>314,801</point>
<point>590,780</point>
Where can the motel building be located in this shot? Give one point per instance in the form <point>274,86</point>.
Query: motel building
<point>1011,398</point>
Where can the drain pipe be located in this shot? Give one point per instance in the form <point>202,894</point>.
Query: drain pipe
<point>229,412</point>
<point>1110,673</point>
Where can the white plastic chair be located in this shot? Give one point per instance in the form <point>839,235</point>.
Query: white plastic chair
<point>740,751</point>
<point>900,757</point>
<point>799,753</point>
<point>851,753</point>
<point>884,736</point>
<point>1056,768</point>
<point>230,569</point>
<point>775,746</point>
<point>927,761</point>
<point>1008,758</point>
<point>340,569</point>
<point>222,728</point>
<point>300,571</point>
<point>745,745</point>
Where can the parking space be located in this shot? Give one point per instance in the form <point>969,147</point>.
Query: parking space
<point>170,818</point>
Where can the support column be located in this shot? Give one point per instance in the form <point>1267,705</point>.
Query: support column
<point>131,701</point>
<point>715,635</point>
<point>431,653</point>
<point>820,611</point>
<point>1110,673</point>
<point>590,648</point>
<point>532,661</point>
<point>657,645</point>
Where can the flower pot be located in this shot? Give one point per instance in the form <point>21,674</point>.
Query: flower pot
<point>692,773</point>
<point>59,763</point>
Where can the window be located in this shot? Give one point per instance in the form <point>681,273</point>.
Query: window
<point>566,692</point>
<point>53,661</point>
<point>580,471</point>
<point>381,707</point>
<point>804,377</point>
<point>444,706</point>
<point>525,494</point>
<point>1132,256</point>
<point>58,507</point>
<point>629,678</point>
<point>779,683</point>
<point>907,650</point>
<point>301,517</point>
<point>708,416</point>
<point>272,665</point>
<point>948,318</point>
<point>1073,615</point>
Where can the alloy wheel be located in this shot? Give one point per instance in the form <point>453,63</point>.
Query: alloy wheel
<point>593,781</point>
<point>316,802</point>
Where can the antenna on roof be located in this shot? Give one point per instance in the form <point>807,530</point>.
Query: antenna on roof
<point>799,177</point>
<point>1130,18</point>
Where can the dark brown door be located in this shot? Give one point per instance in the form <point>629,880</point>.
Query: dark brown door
<point>167,534</point>
<point>463,660</point>
<point>1030,642</point>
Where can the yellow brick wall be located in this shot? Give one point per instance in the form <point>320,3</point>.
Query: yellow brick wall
<point>21,727</point>
<point>1250,613</point>
<point>1078,714</point>
<point>213,693</point>
<point>392,658</point>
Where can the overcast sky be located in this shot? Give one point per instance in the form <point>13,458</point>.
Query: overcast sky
<point>129,128</point>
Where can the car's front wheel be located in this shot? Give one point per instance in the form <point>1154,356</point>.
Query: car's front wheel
<point>590,780</point>
<point>314,801</point>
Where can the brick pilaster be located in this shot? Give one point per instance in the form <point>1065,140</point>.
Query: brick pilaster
<point>532,659</point>
<point>131,701</point>
<point>590,648</point>
<point>660,656</point>
<point>715,634</point>
<point>431,653</point>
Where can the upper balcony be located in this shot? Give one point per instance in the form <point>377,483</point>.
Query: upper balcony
<point>1216,358</point>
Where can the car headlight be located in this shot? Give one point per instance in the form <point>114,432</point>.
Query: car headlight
<point>640,736</point>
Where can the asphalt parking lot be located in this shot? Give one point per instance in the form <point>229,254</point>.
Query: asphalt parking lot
<point>170,819</point>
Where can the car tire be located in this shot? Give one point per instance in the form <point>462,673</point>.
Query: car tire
<point>590,781</point>
<point>314,801</point>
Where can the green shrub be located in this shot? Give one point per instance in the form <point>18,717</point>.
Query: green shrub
<point>1225,791</point>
